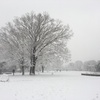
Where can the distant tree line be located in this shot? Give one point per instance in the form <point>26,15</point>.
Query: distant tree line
<point>91,65</point>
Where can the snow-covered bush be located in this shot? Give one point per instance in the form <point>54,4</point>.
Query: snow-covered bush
<point>4,78</point>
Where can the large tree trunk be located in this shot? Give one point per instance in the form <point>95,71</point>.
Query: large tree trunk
<point>33,62</point>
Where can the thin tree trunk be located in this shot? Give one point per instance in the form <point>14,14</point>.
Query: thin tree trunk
<point>30,70</point>
<point>22,70</point>
<point>22,66</point>
<point>42,69</point>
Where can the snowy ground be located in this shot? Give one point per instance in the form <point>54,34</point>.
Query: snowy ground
<point>59,86</point>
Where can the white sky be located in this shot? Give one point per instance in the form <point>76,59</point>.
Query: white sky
<point>83,16</point>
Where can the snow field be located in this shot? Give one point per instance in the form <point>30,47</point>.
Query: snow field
<point>59,86</point>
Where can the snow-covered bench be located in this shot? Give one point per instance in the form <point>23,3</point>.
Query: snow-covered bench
<point>4,78</point>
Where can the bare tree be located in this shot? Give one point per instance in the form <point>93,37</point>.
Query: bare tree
<point>79,65</point>
<point>39,31</point>
<point>53,57</point>
<point>13,43</point>
<point>90,65</point>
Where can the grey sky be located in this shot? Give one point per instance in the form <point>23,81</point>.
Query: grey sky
<point>83,16</point>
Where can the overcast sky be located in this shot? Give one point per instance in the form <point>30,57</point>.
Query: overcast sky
<point>83,16</point>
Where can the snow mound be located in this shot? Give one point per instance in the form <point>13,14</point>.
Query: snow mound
<point>4,78</point>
